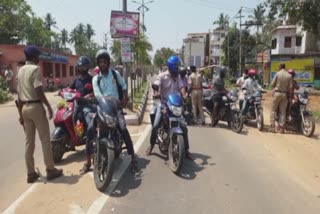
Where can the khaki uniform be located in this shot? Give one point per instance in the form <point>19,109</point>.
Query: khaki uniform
<point>281,83</point>
<point>195,83</point>
<point>34,116</point>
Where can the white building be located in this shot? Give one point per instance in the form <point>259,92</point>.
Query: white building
<point>217,38</point>
<point>194,49</point>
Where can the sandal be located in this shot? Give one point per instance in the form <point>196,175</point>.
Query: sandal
<point>149,150</point>
<point>85,169</point>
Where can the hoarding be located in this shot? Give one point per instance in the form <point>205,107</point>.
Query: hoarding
<point>304,69</point>
<point>126,54</point>
<point>124,24</point>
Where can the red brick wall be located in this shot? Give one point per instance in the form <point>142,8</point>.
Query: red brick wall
<point>13,54</point>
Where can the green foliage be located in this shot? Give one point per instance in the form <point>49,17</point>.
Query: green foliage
<point>306,13</point>
<point>37,32</point>
<point>161,56</point>
<point>139,94</point>
<point>14,20</point>
<point>140,47</point>
<point>222,21</point>
<point>4,94</point>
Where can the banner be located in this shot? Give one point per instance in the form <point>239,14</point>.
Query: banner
<point>126,54</point>
<point>304,69</point>
<point>124,24</point>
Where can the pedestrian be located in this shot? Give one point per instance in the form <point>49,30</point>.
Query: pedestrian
<point>195,84</point>
<point>240,83</point>
<point>33,115</point>
<point>281,85</point>
<point>9,76</point>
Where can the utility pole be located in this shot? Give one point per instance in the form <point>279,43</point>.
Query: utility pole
<point>143,9</point>
<point>240,44</point>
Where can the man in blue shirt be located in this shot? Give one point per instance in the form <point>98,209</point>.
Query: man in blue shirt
<point>107,86</point>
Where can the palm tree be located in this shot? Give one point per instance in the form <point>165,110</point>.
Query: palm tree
<point>50,21</point>
<point>258,17</point>
<point>64,37</point>
<point>222,21</point>
<point>89,31</point>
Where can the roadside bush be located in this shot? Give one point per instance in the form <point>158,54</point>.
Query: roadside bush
<point>4,94</point>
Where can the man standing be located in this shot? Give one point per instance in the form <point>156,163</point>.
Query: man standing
<point>195,83</point>
<point>33,115</point>
<point>240,83</point>
<point>9,75</point>
<point>281,84</point>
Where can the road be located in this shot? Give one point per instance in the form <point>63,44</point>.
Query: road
<point>251,172</point>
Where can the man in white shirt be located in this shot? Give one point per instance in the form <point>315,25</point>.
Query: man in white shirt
<point>9,75</point>
<point>240,83</point>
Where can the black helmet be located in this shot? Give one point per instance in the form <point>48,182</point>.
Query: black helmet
<point>193,68</point>
<point>102,53</point>
<point>83,61</point>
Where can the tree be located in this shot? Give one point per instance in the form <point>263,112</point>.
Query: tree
<point>222,21</point>
<point>37,33</point>
<point>14,20</point>
<point>305,13</point>
<point>258,17</point>
<point>64,37</point>
<point>140,47</point>
<point>161,56</point>
<point>116,51</point>
<point>89,31</point>
<point>50,21</point>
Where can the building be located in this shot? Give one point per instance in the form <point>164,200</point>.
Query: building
<point>60,65</point>
<point>299,50</point>
<point>196,49</point>
<point>217,37</point>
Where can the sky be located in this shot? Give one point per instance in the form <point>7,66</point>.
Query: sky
<point>167,21</point>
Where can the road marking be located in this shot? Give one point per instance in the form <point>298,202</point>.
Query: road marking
<point>76,209</point>
<point>99,203</point>
<point>14,205</point>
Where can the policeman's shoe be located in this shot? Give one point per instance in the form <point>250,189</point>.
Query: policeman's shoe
<point>54,173</point>
<point>149,150</point>
<point>32,177</point>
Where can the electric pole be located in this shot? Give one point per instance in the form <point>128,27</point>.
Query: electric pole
<point>240,44</point>
<point>143,9</point>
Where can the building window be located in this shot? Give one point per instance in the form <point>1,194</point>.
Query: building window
<point>274,43</point>
<point>223,35</point>
<point>47,69</point>
<point>287,42</point>
<point>57,71</point>
<point>71,71</point>
<point>298,41</point>
<point>64,70</point>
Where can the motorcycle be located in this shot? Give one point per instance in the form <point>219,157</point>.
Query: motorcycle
<point>67,133</point>
<point>170,134</point>
<point>50,84</point>
<point>300,117</point>
<point>187,113</point>
<point>227,110</point>
<point>254,108</point>
<point>108,141</point>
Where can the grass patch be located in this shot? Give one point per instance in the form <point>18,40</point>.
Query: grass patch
<point>316,115</point>
<point>139,94</point>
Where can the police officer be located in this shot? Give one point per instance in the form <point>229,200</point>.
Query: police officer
<point>195,84</point>
<point>33,115</point>
<point>281,84</point>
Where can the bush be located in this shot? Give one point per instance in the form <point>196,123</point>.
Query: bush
<point>4,94</point>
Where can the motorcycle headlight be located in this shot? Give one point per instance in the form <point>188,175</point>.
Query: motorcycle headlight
<point>110,121</point>
<point>225,99</point>
<point>303,100</point>
<point>176,111</point>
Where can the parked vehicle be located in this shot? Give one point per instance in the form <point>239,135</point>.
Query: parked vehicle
<point>187,110</point>
<point>228,111</point>
<point>50,84</point>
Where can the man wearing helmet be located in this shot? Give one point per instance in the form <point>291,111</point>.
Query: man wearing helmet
<point>169,82</point>
<point>218,91</point>
<point>33,114</point>
<point>109,82</point>
<point>249,86</point>
<point>83,84</point>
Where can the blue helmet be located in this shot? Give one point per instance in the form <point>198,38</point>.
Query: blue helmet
<point>31,51</point>
<point>174,64</point>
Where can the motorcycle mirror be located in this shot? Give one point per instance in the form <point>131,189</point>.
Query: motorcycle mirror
<point>155,87</point>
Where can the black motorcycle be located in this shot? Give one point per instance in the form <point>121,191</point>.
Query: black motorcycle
<point>299,117</point>
<point>227,110</point>
<point>254,108</point>
<point>187,111</point>
<point>108,141</point>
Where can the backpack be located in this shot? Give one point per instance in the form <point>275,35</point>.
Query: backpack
<point>120,91</point>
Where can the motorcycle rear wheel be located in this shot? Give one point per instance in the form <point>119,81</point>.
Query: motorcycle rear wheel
<point>236,121</point>
<point>103,170</point>
<point>59,148</point>
<point>260,120</point>
<point>176,153</point>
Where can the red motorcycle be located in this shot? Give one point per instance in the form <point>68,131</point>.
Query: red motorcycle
<point>67,133</point>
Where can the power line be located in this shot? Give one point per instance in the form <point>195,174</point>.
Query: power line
<point>206,4</point>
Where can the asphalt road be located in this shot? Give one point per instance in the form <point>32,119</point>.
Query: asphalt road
<point>232,173</point>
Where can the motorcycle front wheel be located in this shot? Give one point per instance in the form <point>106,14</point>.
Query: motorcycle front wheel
<point>176,153</point>
<point>103,167</point>
<point>260,122</point>
<point>308,126</point>
<point>236,121</point>
<point>59,148</point>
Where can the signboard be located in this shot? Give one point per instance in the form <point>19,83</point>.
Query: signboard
<point>304,69</point>
<point>53,57</point>
<point>126,55</point>
<point>124,24</point>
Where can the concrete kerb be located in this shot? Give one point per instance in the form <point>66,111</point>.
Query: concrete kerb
<point>137,118</point>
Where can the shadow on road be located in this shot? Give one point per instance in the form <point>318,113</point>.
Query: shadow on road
<point>130,181</point>
<point>191,168</point>
<point>69,157</point>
